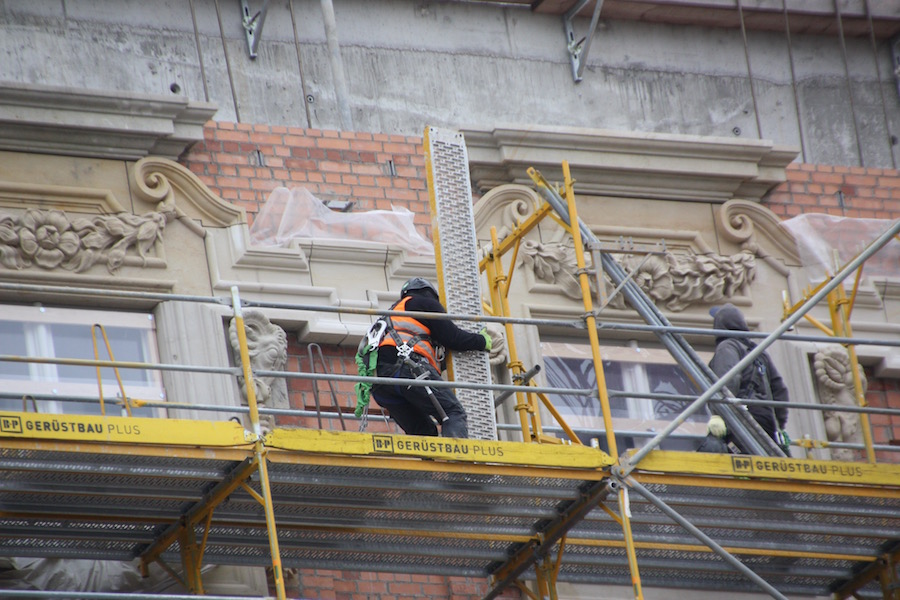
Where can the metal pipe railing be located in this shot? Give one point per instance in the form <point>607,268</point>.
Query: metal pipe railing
<point>502,388</point>
<point>375,312</point>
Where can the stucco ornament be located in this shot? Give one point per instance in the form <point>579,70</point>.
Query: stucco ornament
<point>267,348</point>
<point>673,281</point>
<point>50,240</point>
<point>835,377</point>
<point>678,281</point>
<point>47,238</point>
<point>555,263</point>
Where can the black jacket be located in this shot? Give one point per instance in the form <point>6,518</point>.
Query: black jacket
<point>729,351</point>
<point>443,331</point>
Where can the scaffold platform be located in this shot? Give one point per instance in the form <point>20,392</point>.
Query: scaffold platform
<point>382,502</point>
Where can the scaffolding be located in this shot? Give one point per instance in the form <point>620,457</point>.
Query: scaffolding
<point>546,509</point>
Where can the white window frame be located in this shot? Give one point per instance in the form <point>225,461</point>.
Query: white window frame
<point>633,357</point>
<point>44,377</point>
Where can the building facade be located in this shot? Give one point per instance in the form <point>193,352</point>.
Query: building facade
<point>141,147</point>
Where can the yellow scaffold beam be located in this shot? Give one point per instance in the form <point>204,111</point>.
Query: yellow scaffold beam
<point>448,449</point>
<point>763,467</point>
<point>133,430</point>
<point>199,513</point>
<point>883,569</point>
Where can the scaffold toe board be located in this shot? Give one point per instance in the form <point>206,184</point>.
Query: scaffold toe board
<point>467,450</point>
<point>131,430</point>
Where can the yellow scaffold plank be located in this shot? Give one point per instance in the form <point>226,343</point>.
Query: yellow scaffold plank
<point>132,430</point>
<point>763,467</point>
<point>480,451</point>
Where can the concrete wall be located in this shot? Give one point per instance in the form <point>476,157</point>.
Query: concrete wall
<point>464,65</point>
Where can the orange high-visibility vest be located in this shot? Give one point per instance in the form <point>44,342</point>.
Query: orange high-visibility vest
<point>407,328</point>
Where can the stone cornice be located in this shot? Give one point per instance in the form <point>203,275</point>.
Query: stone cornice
<point>645,165</point>
<point>69,122</point>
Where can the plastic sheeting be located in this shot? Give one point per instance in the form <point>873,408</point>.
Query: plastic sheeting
<point>109,576</point>
<point>295,214</point>
<point>820,237</point>
<point>74,575</point>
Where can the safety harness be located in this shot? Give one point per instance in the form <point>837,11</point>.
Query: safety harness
<point>367,359</point>
<point>758,381</point>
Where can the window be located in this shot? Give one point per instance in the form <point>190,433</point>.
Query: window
<point>626,369</point>
<point>39,331</point>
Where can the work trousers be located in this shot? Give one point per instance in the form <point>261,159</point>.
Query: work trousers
<point>766,420</point>
<point>411,407</point>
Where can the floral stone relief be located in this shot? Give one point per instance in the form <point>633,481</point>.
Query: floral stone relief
<point>673,281</point>
<point>49,239</point>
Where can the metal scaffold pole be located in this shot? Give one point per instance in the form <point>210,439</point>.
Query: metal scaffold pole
<point>259,447</point>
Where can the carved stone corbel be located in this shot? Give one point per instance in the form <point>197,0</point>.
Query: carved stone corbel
<point>267,347</point>
<point>835,378</point>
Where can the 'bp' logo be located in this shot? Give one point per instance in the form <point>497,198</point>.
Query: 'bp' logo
<point>742,464</point>
<point>10,425</point>
<point>383,443</point>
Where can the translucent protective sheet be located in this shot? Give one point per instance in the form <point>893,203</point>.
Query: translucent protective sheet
<point>819,236</point>
<point>290,214</point>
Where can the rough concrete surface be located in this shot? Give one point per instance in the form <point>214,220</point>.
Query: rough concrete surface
<point>409,64</point>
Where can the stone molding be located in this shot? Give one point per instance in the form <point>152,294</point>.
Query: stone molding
<point>101,124</point>
<point>15,194</point>
<point>629,165</point>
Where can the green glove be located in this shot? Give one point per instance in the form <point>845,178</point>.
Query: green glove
<point>487,339</point>
<point>785,441</point>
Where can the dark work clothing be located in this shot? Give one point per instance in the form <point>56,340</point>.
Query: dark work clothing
<point>443,331</point>
<point>713,444</point>
<point>730,351</point>
<point>410,406</point>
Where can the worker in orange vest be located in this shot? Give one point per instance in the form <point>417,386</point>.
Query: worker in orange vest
<point>413,348</point>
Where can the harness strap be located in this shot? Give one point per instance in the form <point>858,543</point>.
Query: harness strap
<point>405,349</point>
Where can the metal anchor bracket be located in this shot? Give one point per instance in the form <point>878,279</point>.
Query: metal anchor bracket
<point>253,25</point>
<point>578,49</point>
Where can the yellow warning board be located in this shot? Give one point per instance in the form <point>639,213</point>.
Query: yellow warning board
<point>479,451</point>
<point>763,467</point>
<point>135,430</point>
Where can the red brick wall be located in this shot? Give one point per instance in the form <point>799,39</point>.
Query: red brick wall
<point>332,396</point>
<point>243,163</point>
<point>337,585</point>
<point>884,393</point>
<point>835,190</point>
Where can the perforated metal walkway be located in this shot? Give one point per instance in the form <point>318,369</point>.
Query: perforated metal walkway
<point>362,502</point>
